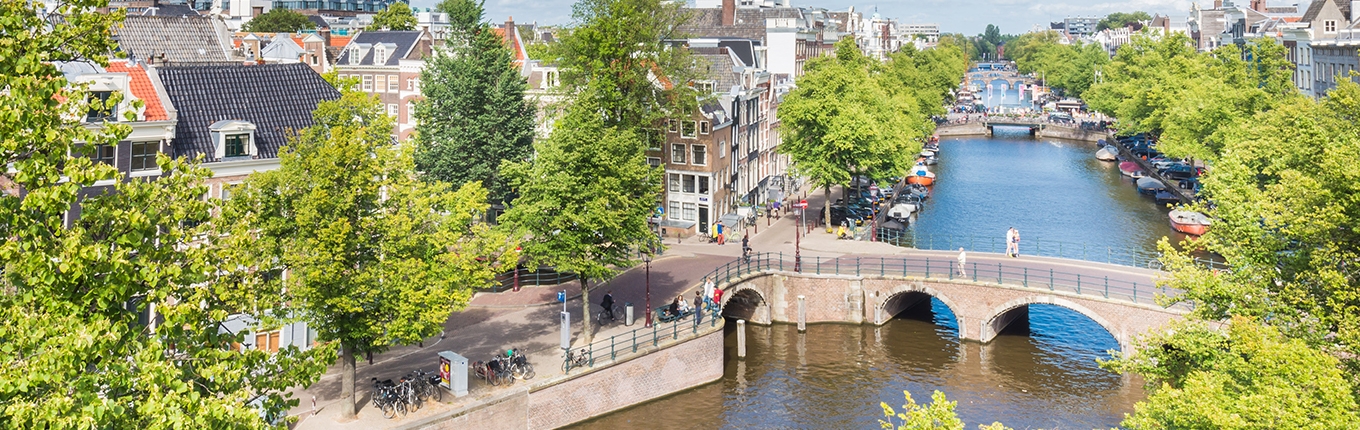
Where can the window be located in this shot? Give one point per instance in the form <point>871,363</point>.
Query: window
<point>354,55</point>
<point>104,154</point>
<point>691,211</point>
<point>236,145</point>
<point>379,54</point>
<point>688,184</point>
<point>678,153</point>
<point>99,109</point>
<point>700,154</point>
<point>671,126</point>
<point>687,129</point>
<point>550,79</point>
<point>381,85</point>
<point>227,190</point>
<point>1329,26</point>
<point>654,161</point>
<point>144,155</point>
<point>675,210</point>
<point>392,86</point>
<point>410,84</point>
<point>392,110</point>
<point>410,111</point>
<point>673,182</point>
<point>654,139</point>
<point>705,127</point>
<point>722,149</point>
<point>267,342</point>
<point>314,61</point>
<point>703,185</point>
<point>368,83</point>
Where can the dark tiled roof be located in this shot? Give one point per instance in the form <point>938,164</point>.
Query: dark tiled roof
<point>319,21</point>
<point>276,98</point>
<point>183,39</point>
<point>749,23</point>
<point>1316,8</point>
<point>172,10</point>
<point>745,50</point>
<point>404,41</point>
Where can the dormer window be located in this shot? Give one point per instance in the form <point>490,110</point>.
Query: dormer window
<point>379,54</point>
<point>354,57</point>
<point>99,109</point>
<point>233,139</point>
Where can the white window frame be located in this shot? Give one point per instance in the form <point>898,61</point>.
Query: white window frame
<point>679,156</point>
<point>392,110</point>
<point>368,83</point>
<point>654,161</point>
<point>705,127</point>
<point>693,129</point>
<point>393,84</point>
<point>379,83</point>
<point>1329,26</point>
<point>696,158</point>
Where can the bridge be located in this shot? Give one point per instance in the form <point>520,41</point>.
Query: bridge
<point>995,292</point>
<point>1000,79</point>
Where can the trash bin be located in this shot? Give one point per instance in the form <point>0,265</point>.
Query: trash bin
<point>628,314</point>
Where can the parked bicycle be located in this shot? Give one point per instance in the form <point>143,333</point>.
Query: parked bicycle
<point>519,365</point>
<point>390,397</point>
<point>495,371</point>
<point>576,359</point>
<point>426,386</point>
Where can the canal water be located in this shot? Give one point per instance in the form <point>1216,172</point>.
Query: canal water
<point>1044,375</point>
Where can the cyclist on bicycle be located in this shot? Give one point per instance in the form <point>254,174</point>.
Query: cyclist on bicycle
<point>608,304</point>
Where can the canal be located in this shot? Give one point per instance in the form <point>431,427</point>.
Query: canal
<point>1044,375</point>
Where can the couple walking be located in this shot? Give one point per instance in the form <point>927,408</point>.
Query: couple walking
<point>1012,250</point>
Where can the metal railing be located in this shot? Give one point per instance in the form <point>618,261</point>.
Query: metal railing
<point>1001,273</point>
<point>525,276</point>
<point>622,344</point>
<point>1043,248</point>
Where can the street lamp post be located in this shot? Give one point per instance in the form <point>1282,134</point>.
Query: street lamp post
<point>647,260</point>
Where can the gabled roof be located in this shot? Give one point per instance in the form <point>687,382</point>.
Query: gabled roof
<point>401,44</point>
<point>183,39</point>
<point>170,10</point>
<point>277,98</point>
<point>319,21</point>
<point>1316,8</point>
<point>142,88</point>
<point>512,41</point>
<point>748,23</point>
<point>282,48</point>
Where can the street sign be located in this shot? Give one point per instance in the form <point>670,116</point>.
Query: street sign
<point>562,296</point>
<point>801,204</point>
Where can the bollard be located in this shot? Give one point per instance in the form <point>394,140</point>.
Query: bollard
<point>741,338</point>
<point>802,314</point>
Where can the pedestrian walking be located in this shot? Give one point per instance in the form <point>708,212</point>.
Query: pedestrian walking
<point>1010,240</point>
<point>1015,239</point>
<point>722,237</point>
<point>608,304</point>
<point>709,286</point>
<point>698,307</point>
<point>963,259</point>
<point>717,298</point>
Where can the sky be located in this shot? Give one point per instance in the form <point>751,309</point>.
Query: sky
<point>954,16</point>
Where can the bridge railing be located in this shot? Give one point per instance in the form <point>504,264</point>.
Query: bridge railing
<point>1019,273</point>
<point>627,343</point>
<point>1044,248</point>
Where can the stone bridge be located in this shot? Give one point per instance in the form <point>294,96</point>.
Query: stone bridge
<point>984,77</point>
<point>1120,299</point>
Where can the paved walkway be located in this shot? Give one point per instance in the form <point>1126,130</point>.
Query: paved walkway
<point>528,319</point>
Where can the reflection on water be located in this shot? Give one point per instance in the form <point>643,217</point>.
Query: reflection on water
<point>835,375</point>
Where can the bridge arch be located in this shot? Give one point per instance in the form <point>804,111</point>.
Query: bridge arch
<point>904,296</point>
<point>746,302</point>
<point>1001,316</point>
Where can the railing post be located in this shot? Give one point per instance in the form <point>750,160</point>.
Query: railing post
<point>974,271</point>
<point>998,273</point>
<point>634,340</point>
<point>927,267</point>
<point>1050,279</point>
<point>1107,287</point>
<point>675,329</point>
<point>1135,291</point>
<point>654,334</point>
<point>1025,282</point>
<point>951,270</point>
<point>882,267</point>
<point>857,272</point>
<point>1078,283</point>
<point>612,354</point>
<point>781,261</point>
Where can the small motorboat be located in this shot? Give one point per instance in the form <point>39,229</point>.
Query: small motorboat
<point>1108,153</point>
<point>921,175</point>
<point>1128,167</point>
<point>931,161</point>
<point>1189,222</point>
<point>901,211</point>
<point>1165,196</point>
<point>913,193</point>
<point>1150,186</point>
<point>1137,174</point>
<point>926,153</point>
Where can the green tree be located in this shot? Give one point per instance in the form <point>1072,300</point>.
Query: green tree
<point>619,53</point>
<point>1247,376</point>
<point>397,17</point>
<point>963,43</point>
<point>584,200</point>
<point>279,20</point>
<point>74,352</point>
<point>841,122</point>
<point>1122,19</point>
<point>938,415</point>
<point>374,255</point>
<point>474,115</point>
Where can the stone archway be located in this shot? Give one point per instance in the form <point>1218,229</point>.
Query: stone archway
<point>998,318</point>
<point>745,302</point>
<point>904,296</point>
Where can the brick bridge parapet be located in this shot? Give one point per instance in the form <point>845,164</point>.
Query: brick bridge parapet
<point>982,309</point>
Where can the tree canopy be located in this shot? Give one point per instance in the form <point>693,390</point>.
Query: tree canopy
<point>474,115</point>
<point>1122,19</point>
<point>279,20</point>
<point>375,256</point>
<point>1069,68</point>
<point>77,349</point>
<point>938,415</point>
<point>397,17</point>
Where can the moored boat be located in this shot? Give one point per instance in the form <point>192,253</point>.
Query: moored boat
<point>1108,153</point>
<point>1150,186</point>
<point>1189,222</point>
<point>921,175</point>
<point>1165,196</point>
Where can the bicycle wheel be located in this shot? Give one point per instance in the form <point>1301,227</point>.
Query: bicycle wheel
<point>436,393</point>
<point>600,318</point>
<point>389,411</point>
<point>509,379</point>
<point>566,365</point>
<point>528,371</point>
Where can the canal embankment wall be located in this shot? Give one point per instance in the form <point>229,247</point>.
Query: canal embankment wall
<point>671,366</point>
<point>1046,130</point>
<point>982,309</point>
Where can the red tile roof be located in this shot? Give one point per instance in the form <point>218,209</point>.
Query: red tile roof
<point>142,89</point>
<point>340,41</point>
<point>513,43</point>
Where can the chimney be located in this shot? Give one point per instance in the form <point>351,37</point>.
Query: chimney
<point>325,33</point>
<point>1218,4</point>
<point>509,28</point>
<point>729,12</point>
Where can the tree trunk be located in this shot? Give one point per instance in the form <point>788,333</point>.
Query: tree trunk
<point>347,411</point>
<point>586,335</point>
<point>826,191</point>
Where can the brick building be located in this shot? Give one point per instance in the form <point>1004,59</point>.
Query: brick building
<point>692,152</point>
<point>387,64</point>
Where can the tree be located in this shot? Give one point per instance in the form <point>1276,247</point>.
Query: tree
<point>584,200</point>
<point>374,255</point>
<point>939,414</point>
<point>841,121</point>
<point>279,20</point>
<point>620,53</point>
<point>474,115</point>
<point>1122,19</point>
<point>75,351</point>
<point>961,42</point>
<point>397,17</point>
<point>1246,376</point>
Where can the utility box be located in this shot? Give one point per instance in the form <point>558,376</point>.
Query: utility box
<point>628,314</point>
<point>453,373</point>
